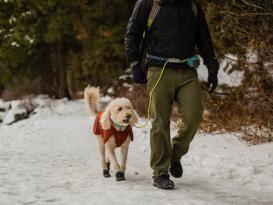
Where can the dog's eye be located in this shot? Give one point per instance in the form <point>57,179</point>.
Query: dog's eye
<point>119,109</point>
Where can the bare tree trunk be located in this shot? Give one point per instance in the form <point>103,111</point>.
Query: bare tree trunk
<point>58,61</point>
<point>46,74</point>
<point>62,72</point>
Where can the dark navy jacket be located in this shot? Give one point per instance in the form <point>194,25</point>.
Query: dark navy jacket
<point>175,32</point>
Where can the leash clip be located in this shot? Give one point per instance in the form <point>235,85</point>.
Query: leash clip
<point>174,60</point>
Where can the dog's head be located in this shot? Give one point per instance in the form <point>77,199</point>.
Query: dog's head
<point>120,111</point>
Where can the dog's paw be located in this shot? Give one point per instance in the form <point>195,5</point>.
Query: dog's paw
<point>106,174</point>
<point>120,176</point>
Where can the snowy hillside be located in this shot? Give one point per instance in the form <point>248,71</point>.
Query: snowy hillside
<point>52,158</point>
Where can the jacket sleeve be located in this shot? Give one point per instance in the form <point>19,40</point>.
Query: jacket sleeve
<point>136,26</point>
<point>204,42</point>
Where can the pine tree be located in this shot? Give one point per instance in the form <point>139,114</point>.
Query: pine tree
<point>35,41</point>
<point>48,42</point>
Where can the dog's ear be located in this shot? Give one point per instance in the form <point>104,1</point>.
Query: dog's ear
<point>105,119</point>
<point>134,118</point>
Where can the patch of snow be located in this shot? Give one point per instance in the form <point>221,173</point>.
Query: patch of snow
<point>15,44</point>
<point>27,13</point>
<point>252,56</point>
<point>12,20</point>
<point>10,117</point>
<point>106,99</point>
<point>124,77</point>
<point>111,91</point>
<point>7,36</point>
<point>4,105</point>
<point>128,71</point>
<point>16,111</point>
<point>127,85</point>
<point>42,101</point>
<point>29,39</point>
<point>46,107</point>
<point>2,116</point>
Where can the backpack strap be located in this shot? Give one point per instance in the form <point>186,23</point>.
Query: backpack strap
<point>194,9</point>
<point>153,13</point>
<point>156,7</point>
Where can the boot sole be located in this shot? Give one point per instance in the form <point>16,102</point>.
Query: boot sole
<point>120,179</point>
<point>165,187</point>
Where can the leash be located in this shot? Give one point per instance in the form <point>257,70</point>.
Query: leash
<point>167,60</point>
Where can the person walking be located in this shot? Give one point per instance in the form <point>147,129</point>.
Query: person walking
<point>178,28</point>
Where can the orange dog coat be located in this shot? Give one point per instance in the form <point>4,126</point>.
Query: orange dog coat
<point>120,137</point>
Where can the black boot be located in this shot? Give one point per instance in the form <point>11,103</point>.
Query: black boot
<point>106,174</point>
<point>120,176</point>
<point>176,169</point>
<point>163,182</point>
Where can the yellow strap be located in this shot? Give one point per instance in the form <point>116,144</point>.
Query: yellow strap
<point>149,23</point>
<point>150,97</point>
<point>151,94</point>
<point>153,13</point>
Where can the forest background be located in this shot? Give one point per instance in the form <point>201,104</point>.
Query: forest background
<point>57,47</point>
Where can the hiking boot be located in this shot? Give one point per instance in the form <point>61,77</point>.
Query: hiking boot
<point>120,176</point>
<point>106,174</point>
<point>176,169</point>
<point>163,182</point>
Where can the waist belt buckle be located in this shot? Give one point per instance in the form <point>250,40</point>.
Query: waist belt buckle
<point>174,60</point>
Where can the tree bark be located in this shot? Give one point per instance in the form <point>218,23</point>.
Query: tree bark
<point>63,90</point>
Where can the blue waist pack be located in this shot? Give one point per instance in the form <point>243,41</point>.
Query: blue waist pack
<point>193,62</point>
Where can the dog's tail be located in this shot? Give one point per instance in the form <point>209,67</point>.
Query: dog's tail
<point>92,98</point>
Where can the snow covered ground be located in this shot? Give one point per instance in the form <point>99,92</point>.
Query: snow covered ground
<point>52,158</point>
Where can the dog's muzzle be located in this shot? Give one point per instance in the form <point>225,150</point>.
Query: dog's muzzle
<point>127,118</point>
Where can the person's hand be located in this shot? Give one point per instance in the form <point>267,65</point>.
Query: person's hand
<point>213,67</point>
<point>139,76</point>
<point>212,82</point>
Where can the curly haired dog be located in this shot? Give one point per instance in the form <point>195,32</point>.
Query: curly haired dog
<point>114,129</point>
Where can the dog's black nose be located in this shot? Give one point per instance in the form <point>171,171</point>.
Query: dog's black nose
<point>128,116</point>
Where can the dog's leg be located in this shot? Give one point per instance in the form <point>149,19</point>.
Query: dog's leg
<point>110,150</point>
<point>107,162</point>
<point>102,155</point>
<point>124,153</point>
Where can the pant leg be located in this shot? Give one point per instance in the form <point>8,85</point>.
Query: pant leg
<point>189,99</point>
<point>161,107</point>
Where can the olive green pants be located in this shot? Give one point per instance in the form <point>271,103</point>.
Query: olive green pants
<point>181,86</point>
